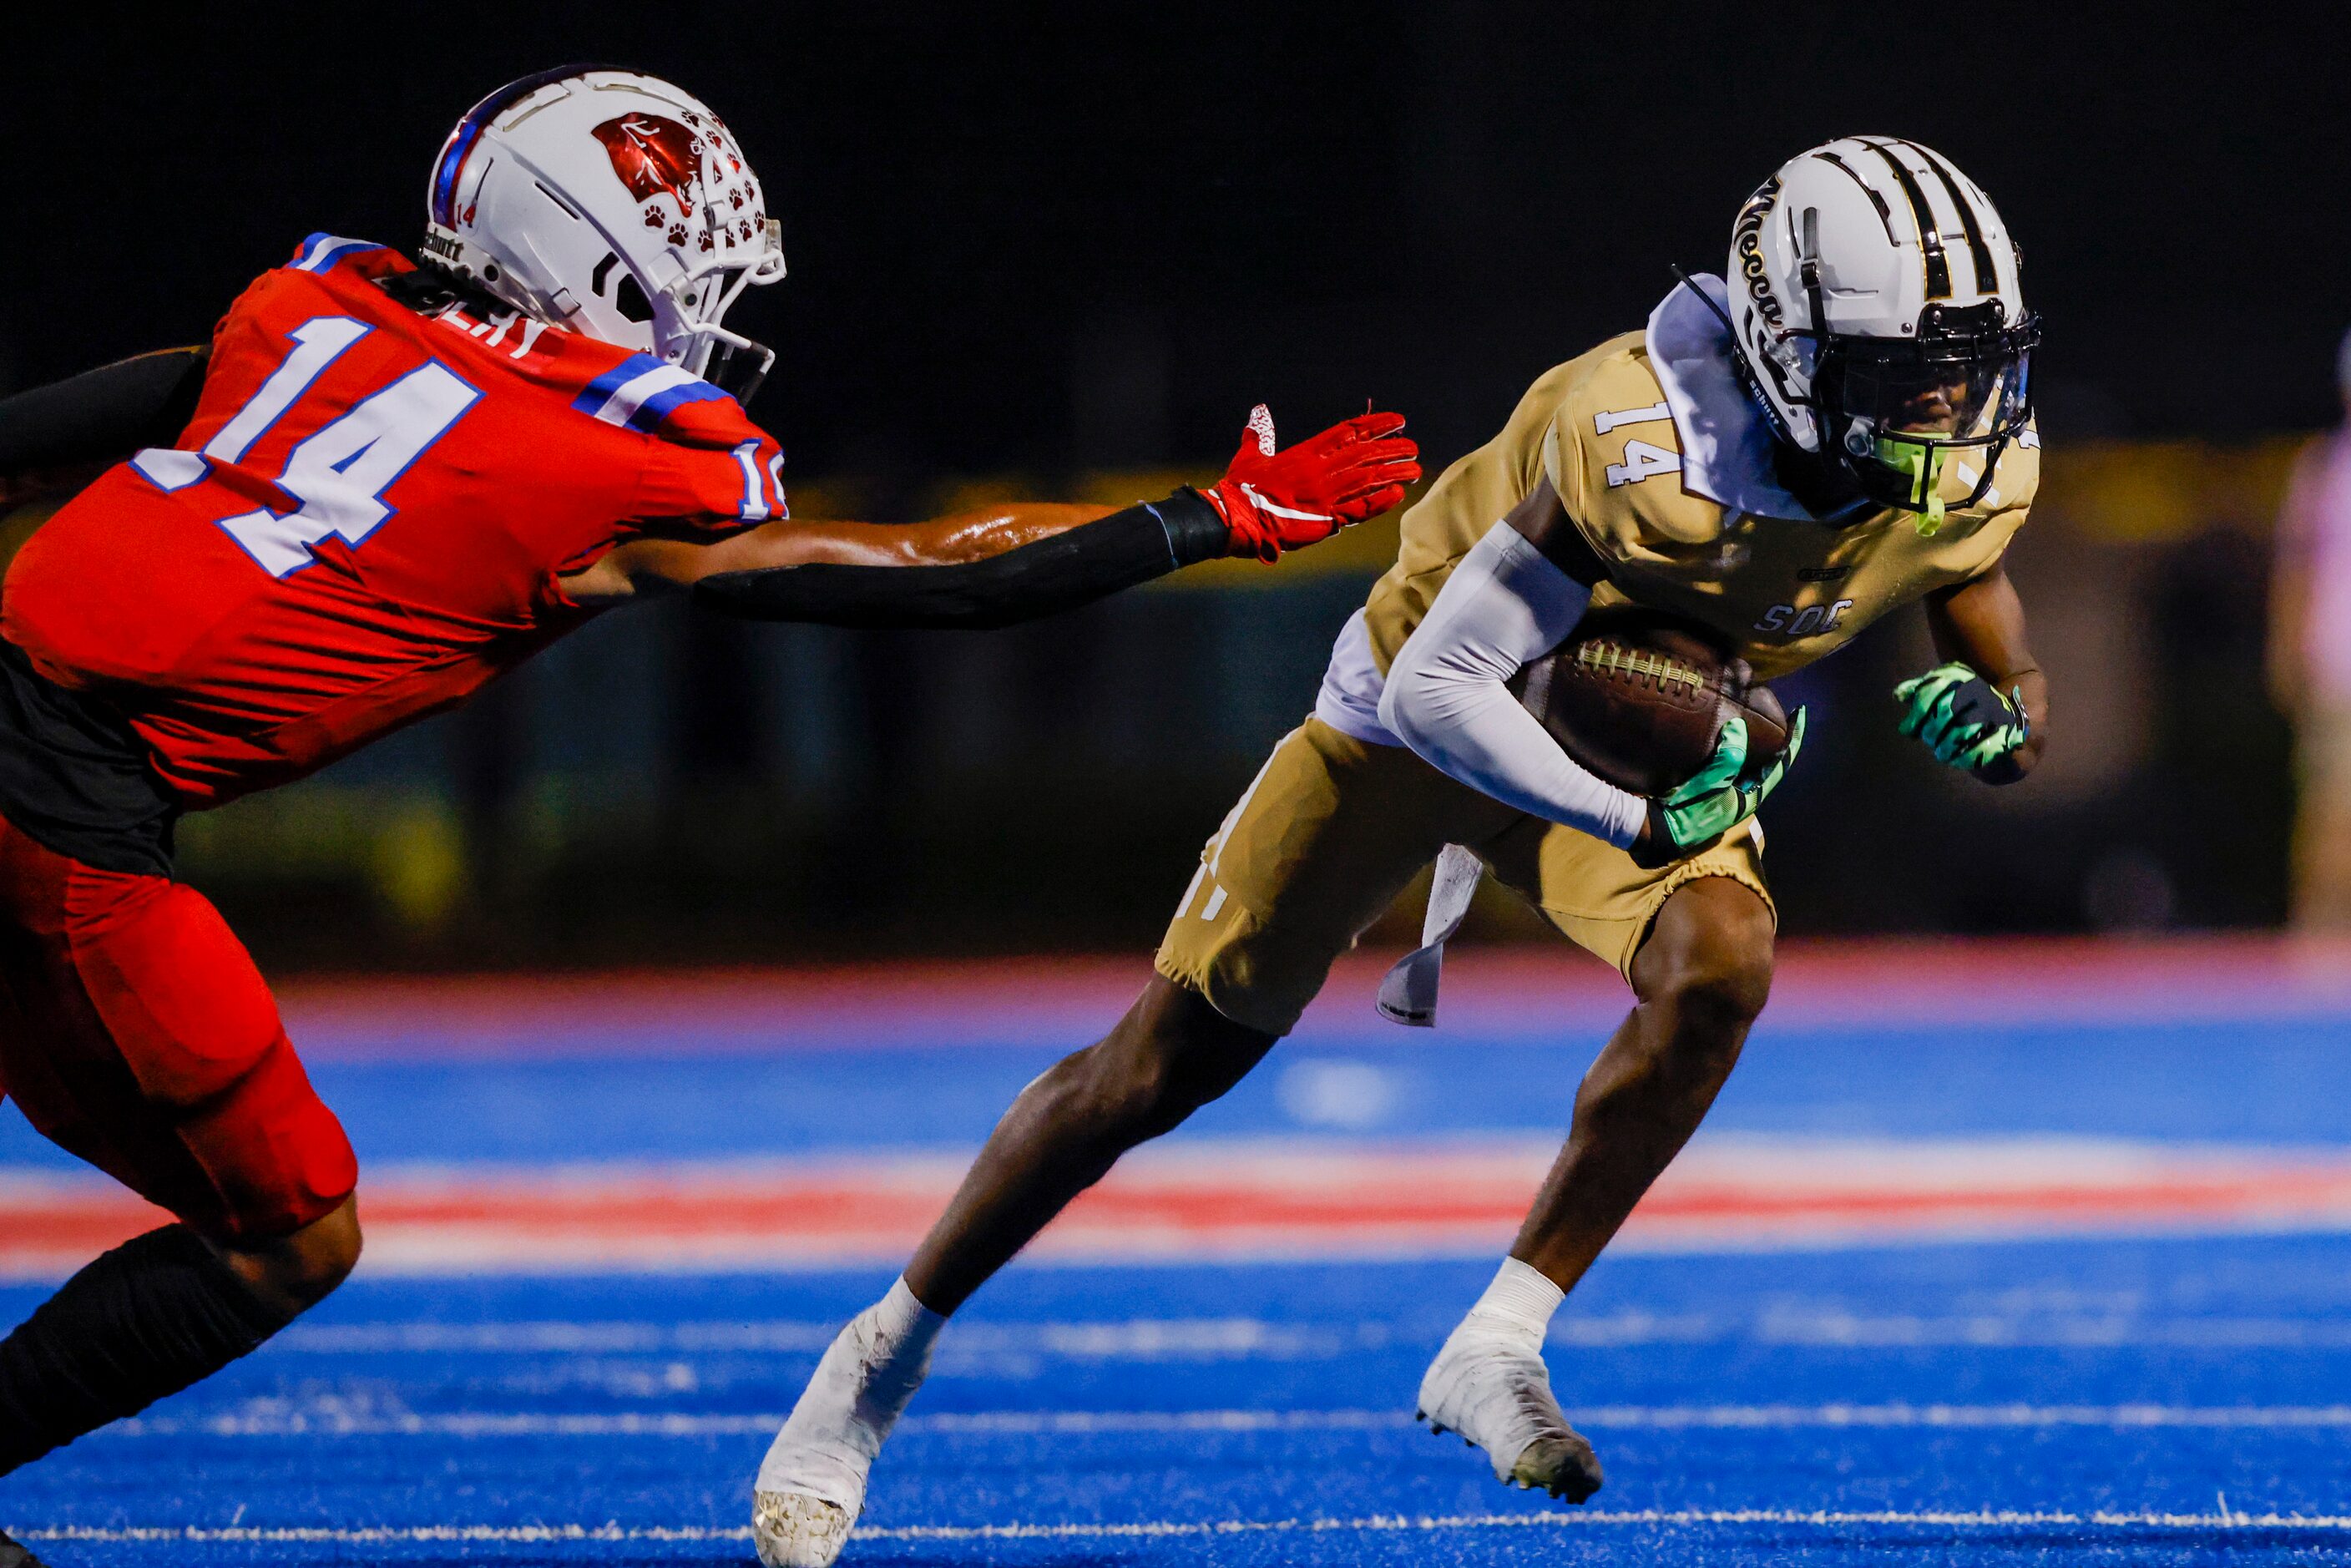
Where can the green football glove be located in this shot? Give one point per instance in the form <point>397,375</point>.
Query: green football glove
<point>1961,718</point>
<point>1716,799</point>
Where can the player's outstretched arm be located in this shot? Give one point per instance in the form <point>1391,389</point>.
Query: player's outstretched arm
<point>1985,709</point>
<point>60,435</point>
<point>1016,562</point>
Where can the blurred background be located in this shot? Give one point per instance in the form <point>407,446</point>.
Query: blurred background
<point>1059,250</point>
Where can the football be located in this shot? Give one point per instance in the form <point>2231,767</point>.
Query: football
<point>1639,696</point>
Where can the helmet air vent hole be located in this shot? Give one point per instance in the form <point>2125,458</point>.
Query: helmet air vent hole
<point>603,269</point>
<point>559,201</point>
<point>630,300</point>
<point>490,272</point>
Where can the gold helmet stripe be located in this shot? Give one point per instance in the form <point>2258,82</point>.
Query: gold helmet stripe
<point>1986,279</point>
<point>1931,237</point>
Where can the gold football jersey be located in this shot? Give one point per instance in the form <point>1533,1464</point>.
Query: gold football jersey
<point>1782,591</point>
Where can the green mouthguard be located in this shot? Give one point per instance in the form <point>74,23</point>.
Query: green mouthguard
<point>1923,466</point>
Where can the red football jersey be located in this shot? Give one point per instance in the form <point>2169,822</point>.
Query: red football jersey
<point>365,521</point>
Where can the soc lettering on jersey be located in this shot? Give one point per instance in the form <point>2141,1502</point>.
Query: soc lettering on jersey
<point>366,521</point>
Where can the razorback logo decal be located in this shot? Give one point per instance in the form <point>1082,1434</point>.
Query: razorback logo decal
<point>654,157</point>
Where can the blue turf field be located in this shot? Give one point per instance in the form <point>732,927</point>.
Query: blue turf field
<point>2085,1400</point>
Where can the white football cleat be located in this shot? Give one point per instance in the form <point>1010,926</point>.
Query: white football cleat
<point>793,1530</point>
<point>811,1486</point>
<point>1493,1388</point>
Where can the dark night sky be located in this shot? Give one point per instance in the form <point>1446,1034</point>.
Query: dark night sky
<point>1034,237</point>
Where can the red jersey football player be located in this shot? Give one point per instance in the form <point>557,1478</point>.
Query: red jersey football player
<point>380,486</point>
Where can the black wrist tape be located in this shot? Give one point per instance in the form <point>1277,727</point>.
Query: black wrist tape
<point>1195,530</point>
<point>1070,569</point>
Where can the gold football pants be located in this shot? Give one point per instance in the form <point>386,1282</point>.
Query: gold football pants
<point>1334,829</point>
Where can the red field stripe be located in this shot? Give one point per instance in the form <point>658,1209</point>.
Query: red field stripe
<point>1257,1197</point>
<point>1547,989</point>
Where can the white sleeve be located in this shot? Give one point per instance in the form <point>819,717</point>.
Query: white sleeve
<point>1503,605</point>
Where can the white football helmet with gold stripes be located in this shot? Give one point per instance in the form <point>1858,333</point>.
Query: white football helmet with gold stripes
<point>1878,311</point>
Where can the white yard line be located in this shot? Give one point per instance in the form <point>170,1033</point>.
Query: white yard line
<point>2098,1519</point>
<point>1116,1339</point>
<point>325,1418</point>
<point>1178,1339</point>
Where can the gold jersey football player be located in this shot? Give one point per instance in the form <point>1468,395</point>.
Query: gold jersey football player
<point>1839,428</point>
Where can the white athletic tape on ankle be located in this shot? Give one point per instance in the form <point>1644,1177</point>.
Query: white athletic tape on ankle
<point>1521,1296</point>
<point>902,1322</point>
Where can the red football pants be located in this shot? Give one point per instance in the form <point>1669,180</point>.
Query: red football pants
<point>136,1032</point>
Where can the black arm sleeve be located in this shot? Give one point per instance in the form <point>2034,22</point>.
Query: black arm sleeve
<point>102,415</point>
<point>1070,569</point>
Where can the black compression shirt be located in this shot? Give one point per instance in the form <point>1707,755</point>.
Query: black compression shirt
<point>74,775</point>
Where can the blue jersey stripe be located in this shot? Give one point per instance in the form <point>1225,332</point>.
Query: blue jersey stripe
<point>321,251</point>
<point>598,392</point>
<point>657,408</point>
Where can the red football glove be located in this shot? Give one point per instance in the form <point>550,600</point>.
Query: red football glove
<point>1273,501</point>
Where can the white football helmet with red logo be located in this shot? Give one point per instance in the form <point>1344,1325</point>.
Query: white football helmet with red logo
<point>612,203</point>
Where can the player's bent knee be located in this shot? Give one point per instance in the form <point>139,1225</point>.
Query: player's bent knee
<point>297,1271</point>
<point>1202,1053</point>
<point>1709,953</point>
<point>1728,984</point>
<point>1135,1094</point>
<point>1113,1094</point>
<point>1171,1054</point>
<point>332,1247</point>
<point>1111,1085</point>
